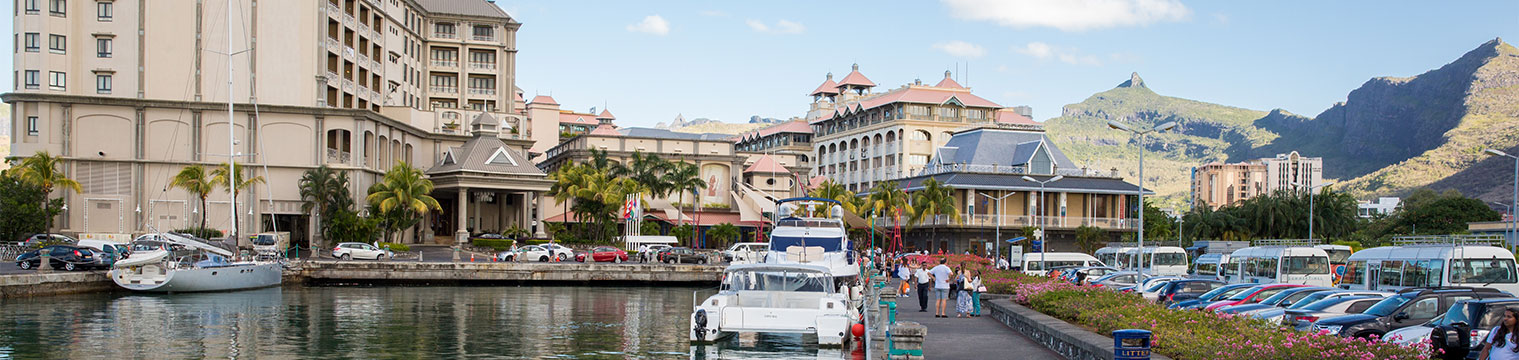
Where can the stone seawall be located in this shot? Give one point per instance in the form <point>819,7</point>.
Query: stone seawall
<point>1069,340</point>
<point>423,272</point>
<point>55,283</point>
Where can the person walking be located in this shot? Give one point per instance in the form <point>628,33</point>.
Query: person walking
<point>925,281</point>
<point>1503,341</point>
<point>904,275</point>
<point>976,289</point>
<point>942,278</point>
<point>963,299</point>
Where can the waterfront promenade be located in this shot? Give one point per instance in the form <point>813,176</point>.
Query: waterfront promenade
<point>969,338</point>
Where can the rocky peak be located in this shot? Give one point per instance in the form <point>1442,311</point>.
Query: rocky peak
<point>1133,82</point>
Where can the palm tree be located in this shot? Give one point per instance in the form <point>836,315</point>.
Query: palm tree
<point>648,170</point>
<point>836,192</point>
<point>886,200</point>
<point>932,201</point>
<point>405,189</point>
<point>723,234</point>
<point>194,179</point>
<point>682,177</point>
<point>41,169</point>
<point>326,191</point>
<point>220,177</point>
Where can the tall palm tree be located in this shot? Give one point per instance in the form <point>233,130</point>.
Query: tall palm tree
<point>196,180</point>
<point>648,169</point>
<point>683,177</point>
<point>326,191</point>
<point>41,169</point>
<point>222,176</point>
<point>837,192</point>
<point>932,201</point>
<point>404,188</point>
<point>886,200</point>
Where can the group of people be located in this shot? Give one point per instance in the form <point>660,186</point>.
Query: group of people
<point>943,282</point>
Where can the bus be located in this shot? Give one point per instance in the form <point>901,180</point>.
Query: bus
<point>1209,266</point>
<point>1337,257</point>
<point>1163,260</point>
<point>1110,255</point>
<point>1279,264</point>
<point>1424,261</point>
<point>1041,263</point>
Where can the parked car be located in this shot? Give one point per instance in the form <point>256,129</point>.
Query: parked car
<point>559,252</point>
<point>352,250</point>
<point>1280,300</point>
<point>34,240</point>
<point>525,253</point>
<point>681,255</point>
<point>1410,307</point>
<point>109,251</point>
<point>747,252</point>
<point>1275,315</point>
<point>66,257</point>
<point>1466,325</point>
<point>1303,319</point>
<point>603,254</point>
<point>1092,273</point>
<point>1185,289</point>
<point>1254,295</point>
<point>1151,292</point>
<point>1219,293</point>
<point>1118,280</point>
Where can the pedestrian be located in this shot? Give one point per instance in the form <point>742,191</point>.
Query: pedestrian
<point>643,253</point>
<point>962,300</point>
<point>925,281</point>
<point>976,289</point>
<point>943,276</point>
<point>1002,263</point>
<point>1503,342</point>
<point>903,274</point>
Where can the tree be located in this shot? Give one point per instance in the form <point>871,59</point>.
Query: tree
<point>648,169</point>
<point>21,204</point>
<point>1158,225</point>
<point>686,234</point>
<point>1090,238</point>
<point>514,232</point>
<point>593,195</point>
<point>649,228</point>
<point>195,180</point>
<point>41,169</point>
<point>683,177</point>
<point>225,178</point>
<point>347,226</point>
<point>932,201</point>
<point>402,195</point>
<point>885,201</point>
<point>325,191</point>
<point>722,235</point>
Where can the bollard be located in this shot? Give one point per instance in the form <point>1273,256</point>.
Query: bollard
<point>46,264</point>
<point>1131,344</point>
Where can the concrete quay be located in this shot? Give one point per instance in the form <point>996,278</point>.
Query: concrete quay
<point>54,283</point>
<point>321,271</point>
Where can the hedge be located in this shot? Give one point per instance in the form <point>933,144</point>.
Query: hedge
<point>498,244</point>
<point>395,246</point>
<point>1184,334</point>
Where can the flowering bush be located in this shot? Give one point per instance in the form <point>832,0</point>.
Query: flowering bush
<point>969,261</point>
<point>1187,334</point>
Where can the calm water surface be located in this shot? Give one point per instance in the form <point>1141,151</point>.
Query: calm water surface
<point>377,322</point>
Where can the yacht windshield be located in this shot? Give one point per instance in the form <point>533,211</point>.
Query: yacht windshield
<point>780,243</point>
<point>779,281</point>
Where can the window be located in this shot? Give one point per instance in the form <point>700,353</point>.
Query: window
<point>58,8</point>
<point>104,10</point>
<point>1392,273</point>
<point>33,42</point>
<point>57,80</point>
<point>31,126</point>
<point>1424,308</point>
<point>1484,271</point>
<point>33,79</point>
<point>102,84</point>
<point>444,29</point>
<point>917,159</point>
<point>484,32</point>
<point>57,43</point>
<point>33,6</point>
<point>1423,273</point>
<point>103,47</point>
<point>920,135</point>
<point>1355,273</point>
<point>1305,265</point>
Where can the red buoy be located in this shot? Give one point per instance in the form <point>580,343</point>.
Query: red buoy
<point>858,329</point>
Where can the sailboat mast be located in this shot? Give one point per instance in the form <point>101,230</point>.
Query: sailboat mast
<point>231,141</point>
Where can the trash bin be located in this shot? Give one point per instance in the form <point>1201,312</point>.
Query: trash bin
<point>1131,344</point>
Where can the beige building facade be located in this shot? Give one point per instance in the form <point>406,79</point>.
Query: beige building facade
<point>1221,184</point>
<point>131,91</point>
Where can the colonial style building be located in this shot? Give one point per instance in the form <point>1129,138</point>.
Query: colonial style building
<point>1221,184</point>
<point>862,137</point>
<point>357,85</point>
<point>989,161</point>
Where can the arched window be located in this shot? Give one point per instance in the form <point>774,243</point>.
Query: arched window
<point>921,135</point>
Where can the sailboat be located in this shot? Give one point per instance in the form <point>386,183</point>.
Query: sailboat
<point>184,263</point>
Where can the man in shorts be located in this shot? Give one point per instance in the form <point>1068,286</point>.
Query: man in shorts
<point>942,276</point>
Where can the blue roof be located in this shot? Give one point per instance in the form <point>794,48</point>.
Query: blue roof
<point>1000,147</point>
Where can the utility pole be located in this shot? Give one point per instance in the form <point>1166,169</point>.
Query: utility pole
<point>1140,134</point>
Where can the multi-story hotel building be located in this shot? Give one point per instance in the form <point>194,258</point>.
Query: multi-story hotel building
<point>792,138</point>
<point>1221,184</point>
<point>131,91</point>
<point>862,137</point>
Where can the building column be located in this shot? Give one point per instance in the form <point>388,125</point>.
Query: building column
<point>538,232</point>
<point>461,235</point>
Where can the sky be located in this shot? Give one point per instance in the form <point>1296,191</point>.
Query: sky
<point>649,61</point>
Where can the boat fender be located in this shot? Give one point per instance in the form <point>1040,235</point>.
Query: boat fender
<point>701,325</point>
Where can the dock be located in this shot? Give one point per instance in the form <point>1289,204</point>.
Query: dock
<point>325,271</point>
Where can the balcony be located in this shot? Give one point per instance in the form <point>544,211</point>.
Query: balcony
<point>335,46</point>
<point>485,92</point>
<point>443,89</point>
<point>334,10</point>
<point>445,63</point>
<point>445,35</point>
<point>482,66</point>
<point>348,85</point>
<point>338,157</point>
<point>483,38</point>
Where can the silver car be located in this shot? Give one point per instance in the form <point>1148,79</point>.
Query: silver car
<point>1303,319</point>
<point>1275,315</point>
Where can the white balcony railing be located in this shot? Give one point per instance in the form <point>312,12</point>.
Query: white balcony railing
<point>444,89</point>
<point>444,35</point>
<point>483,38</point>
<point>482,66</point>
<point>339,157</point>
<point>445,63</point>
<point>487,92</point>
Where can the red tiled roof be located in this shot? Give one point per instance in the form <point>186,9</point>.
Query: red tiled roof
<point>795,126</point>
<point>948,82</point>
<point>605,130</point>
<point>605,114</point>
<point>543,99</point>
<point>576,118</point>
<point>1007,116</point>
<point>922,95</point>
<point>767,164</point>
<point>707,218</point>
<point>856,78</point>
<point>827,88</point>
<point>816,181</point>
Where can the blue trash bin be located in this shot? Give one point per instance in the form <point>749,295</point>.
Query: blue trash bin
<point>1131,344</point>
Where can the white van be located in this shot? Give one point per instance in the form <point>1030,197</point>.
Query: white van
<point>1041,263</point>
<point>746,253</point>
<point>1209,266</point>
<point>1338,255</point>
<point>1109,255</point>
<point>1279,264</point>
<point>1392,268</point>
<point>1163,261</point>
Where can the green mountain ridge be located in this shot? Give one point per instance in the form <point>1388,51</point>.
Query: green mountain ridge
<point>1391,135</point>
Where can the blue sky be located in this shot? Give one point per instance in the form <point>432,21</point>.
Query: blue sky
<point>649,61</point>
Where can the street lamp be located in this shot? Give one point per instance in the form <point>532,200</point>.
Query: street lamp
<point>997,241</point>
<point>1141,133</point>
<point>1040,235</point>
<point>1509,235</point>
<point>1311,190</point>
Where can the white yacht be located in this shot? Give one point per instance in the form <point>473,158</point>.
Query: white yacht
<point>775,298</point>
<point>803,236</point>
<point>185,264</point>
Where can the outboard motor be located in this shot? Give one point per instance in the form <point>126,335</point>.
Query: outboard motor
<point>701,324</point>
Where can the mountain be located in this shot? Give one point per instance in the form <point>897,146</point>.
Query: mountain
<point>756,119</point>
<point>720,128</point>
<point>1390,135</point>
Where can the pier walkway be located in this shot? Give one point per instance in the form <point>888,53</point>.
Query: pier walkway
<point>969,338</point>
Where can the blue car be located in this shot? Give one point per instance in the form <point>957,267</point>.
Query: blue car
<point>1187,289</point>
<point>1220,293</point>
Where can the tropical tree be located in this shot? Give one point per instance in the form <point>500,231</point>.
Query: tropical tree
<point>326,191</point>
<point>649,228</point>
<point>19,208</point>
<point>514,232</point>
<point>42,169</point>
<point>886,200</point>
<point>722,235</point>
<point>684,177</point>
<point>593,195</point>
<point>197,181</point>
<point>1158,225</point>
<point>1090,238</point>
<point>933,201</point>
<point>402,196</point>
<point>648,169</point>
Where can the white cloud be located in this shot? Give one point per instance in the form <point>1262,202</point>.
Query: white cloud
<point>714,13</point>
<point>1002,68</point>
<point>1070,15</point>
<point>652,24</point>
<point>959,48</point>
<point>781,27</point>
<point>1221,18</point>
<point>1045,51</point>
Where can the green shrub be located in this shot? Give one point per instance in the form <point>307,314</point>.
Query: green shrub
<point>203,233</point>
<point>498,244</point>
<point>395,246</point>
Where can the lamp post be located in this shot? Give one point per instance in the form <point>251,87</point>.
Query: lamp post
<point>1311,190</point>
<point>1140,134</point>
<point>997,241</point>
<point>1510,234</point>
<point>1040,235</point>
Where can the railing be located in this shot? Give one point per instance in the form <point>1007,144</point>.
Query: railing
<point>482,66</point>
<point>477,91</point>
<point>334,10</point>
<point>990,220</point>
<point>335,156</point>
<point>444,89</point>
<point>483,38</point>
<point>444,35</point>
<point>445,63</point>
<point>1013,170</point>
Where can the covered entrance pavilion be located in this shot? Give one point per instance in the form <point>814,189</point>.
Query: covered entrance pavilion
<point>486,185</point>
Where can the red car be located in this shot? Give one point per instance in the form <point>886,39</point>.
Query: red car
<point>1252,295</point>
<point>604,254</point>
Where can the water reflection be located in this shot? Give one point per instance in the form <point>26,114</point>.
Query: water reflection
<point>377,322</point>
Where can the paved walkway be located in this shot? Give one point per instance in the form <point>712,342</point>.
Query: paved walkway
<point>968,338</point>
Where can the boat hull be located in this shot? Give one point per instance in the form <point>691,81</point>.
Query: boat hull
<point>152,278</point>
